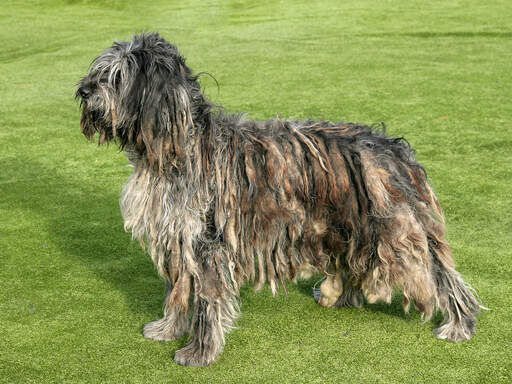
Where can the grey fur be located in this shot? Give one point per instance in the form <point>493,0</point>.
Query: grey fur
<point>220,200</point>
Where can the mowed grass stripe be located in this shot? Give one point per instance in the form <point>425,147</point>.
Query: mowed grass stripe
<point>75,292</point>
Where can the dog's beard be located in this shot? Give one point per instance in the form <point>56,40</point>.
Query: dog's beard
<point>93,121</point>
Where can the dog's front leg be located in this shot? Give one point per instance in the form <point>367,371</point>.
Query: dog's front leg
<point>173,325</point>
<point>215,309</point>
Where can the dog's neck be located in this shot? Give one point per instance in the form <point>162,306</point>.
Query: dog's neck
<point>190,144</point>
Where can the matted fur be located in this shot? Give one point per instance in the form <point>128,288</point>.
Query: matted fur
<point>220,200</point>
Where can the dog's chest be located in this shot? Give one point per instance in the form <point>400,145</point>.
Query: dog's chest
<point>162,210</point>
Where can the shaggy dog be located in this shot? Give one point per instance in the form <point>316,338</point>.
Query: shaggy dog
<point>220,200</point>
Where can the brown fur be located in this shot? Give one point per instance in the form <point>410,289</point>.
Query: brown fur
<point>221,200</point>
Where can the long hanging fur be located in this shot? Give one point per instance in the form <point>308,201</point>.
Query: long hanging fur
<point>220,200</point>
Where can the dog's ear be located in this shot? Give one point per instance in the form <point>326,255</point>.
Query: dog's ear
<point>157,105</point>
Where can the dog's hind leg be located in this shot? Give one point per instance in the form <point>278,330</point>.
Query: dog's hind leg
<point>174,324</point>
<point>215,310</point>
<point>414,255</point>
<point>410,274</point>
<point>403,261</point>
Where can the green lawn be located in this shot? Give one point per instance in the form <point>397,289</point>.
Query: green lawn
<point>75,292</point>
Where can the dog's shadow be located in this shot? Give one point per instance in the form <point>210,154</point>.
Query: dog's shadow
<point>83,221</point>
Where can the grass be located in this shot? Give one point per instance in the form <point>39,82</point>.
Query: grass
<point>75,292</point>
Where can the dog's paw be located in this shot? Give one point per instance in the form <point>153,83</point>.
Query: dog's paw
<point>194,356</point>
<point>456,331</point>
<point>322,300</point>
<point>162,330</point>
<point>330,289</point>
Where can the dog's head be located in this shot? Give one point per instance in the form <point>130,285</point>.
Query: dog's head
<point>140,93</point>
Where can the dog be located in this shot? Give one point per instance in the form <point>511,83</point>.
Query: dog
<point>220,200</point>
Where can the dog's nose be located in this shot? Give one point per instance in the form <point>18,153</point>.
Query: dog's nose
<point>84,92</point>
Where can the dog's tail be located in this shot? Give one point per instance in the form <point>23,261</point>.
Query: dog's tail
<point>456,299</point>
